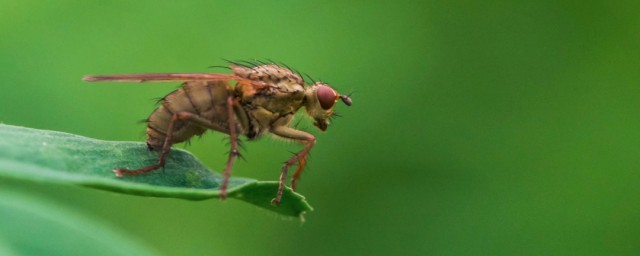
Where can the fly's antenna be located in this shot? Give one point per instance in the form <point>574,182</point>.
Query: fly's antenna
<point>346,99</point>
<point>350,93</point>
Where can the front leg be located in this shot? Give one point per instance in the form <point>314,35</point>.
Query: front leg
<point>303,137</point>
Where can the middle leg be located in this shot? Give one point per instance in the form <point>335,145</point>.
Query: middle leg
<point>233,153</point>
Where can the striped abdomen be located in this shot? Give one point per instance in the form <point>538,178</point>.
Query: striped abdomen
<point>206,99</point>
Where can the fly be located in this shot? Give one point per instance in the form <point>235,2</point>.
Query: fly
<point>252,101</point>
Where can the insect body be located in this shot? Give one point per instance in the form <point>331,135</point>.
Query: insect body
<point>263,100</point>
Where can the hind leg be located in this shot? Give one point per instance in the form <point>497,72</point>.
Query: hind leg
<point>166,146</point>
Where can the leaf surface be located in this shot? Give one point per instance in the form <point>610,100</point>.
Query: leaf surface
<point>50,156</point>
<point>30,226</point>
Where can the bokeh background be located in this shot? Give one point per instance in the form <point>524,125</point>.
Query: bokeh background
<point>478,127</point>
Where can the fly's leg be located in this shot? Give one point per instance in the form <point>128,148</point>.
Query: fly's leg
<point>166,146</point>
<point>165,150</point>
<point>305,138</point>
<point>233,153</point>
<point>231,130</point>
<point>296,175</point>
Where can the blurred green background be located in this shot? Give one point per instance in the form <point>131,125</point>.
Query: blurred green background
<point>478,127</point>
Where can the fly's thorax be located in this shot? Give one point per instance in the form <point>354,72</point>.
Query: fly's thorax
<point>269,73</point>
<point>279,98</point>
<point>266,110</point>
<point>284,92</point>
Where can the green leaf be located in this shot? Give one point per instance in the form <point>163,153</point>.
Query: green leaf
<point>31,226</point>
<point>50,156</point>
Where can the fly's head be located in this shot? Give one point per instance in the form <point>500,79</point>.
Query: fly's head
<point>320,99</point>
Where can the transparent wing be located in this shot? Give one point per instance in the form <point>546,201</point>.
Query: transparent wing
<point>167,77</point>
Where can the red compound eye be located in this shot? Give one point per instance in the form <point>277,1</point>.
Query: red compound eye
<point>326,96</point>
